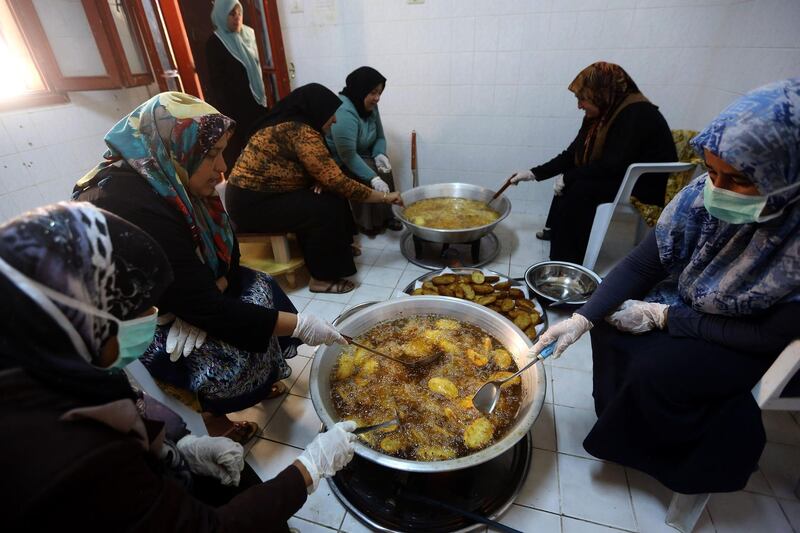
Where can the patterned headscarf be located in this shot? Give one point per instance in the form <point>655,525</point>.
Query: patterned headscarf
<point>241,45</point>
<point>740,269</point>
<point>165,139</point>
<point>89,255</point>
<point>359,84</point>
<point>611,89</point>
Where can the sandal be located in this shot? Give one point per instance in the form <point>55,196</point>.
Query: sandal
<point>340,286</point>
<point>278,389</point>
<point>242,432</point>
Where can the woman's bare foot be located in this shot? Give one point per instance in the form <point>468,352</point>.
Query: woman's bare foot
<point>222,426</point>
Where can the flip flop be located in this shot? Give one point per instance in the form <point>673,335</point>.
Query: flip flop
<point>340,286</point>
<point>242,432</point>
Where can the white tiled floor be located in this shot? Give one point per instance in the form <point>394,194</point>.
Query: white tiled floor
<point>567,490</point>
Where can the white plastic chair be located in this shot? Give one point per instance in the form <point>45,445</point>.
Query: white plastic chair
<point>685,509</point>
<point>604,212</point>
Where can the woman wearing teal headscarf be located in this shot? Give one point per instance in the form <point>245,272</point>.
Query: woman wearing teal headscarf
<point>160,172</point>
<point>237,88</point>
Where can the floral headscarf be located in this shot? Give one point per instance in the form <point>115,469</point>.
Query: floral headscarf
<point>165,139</point>
<point>611,89</point>
<point>740,269</point>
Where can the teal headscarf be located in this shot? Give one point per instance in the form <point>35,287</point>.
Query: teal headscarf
<point>165,139</point>
<point>241,45</point>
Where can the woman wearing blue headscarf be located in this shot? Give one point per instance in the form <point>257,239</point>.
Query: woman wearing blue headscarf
<point>237,87</point>
<point>720,284</point>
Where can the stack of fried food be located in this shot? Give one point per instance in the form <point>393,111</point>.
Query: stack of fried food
<point>486,290</point>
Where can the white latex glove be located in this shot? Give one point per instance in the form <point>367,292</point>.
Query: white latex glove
<point>522,175</point>
<point>563,334</point>
<point>636,316</point>
<point>183,338</point>
<point>314,331</point>
<point>218,457</point>
<point>379,185</point>
<point>558,185</point>
<point>382,162</point>
<point>329,452</point>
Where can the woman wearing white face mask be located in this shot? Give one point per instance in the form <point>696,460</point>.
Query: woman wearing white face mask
<point>719,275</point>
<point>78,285</point>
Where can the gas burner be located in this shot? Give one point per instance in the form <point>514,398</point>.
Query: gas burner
<point>437,255</point>
<point>391,500</point>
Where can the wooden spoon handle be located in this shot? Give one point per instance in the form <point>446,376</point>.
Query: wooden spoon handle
<point>503,188</point>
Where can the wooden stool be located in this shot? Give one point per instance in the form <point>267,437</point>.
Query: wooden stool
<point>258,257</point>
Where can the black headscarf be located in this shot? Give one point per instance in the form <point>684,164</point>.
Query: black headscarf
<point>89,255</point>
<point>311,104</point>
<point>359,84</point>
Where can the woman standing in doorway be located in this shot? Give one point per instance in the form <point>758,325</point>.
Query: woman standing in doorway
<point>237,88</point>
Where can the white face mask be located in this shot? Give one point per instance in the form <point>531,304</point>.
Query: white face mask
<point>737,208</point>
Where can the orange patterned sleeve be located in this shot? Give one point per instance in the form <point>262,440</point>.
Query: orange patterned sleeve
<point>317,160</point>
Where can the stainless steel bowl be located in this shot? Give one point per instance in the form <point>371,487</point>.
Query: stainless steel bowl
<point>452,190</point>
<point>517,343</point>
<point>555,280</point>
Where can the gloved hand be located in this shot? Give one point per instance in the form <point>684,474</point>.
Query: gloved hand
<point>382,162</point>
<point>564,334</point>
<point>218,457</point>
<point>183,338</point>
<point>329,452</point>
<point>314,331</point>
<point>522,175</point>
<point>636,316</point>
<point>379,185</point>
<point>558,185</point>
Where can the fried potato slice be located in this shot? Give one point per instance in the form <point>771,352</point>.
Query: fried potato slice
<point>430,292</point>
<point>530,331</point>
<point>526,305</point>
<point>503,285</point>
<point>435,453</point>
<point>486,300</point>
<point>417,292</point>
<point>469,292</point>
<point>443,386</point>
<point>446,291</point>
<point>503,375</point>
<point>444,279</point>
<point>346,366</point>
<point>476,358</point>
<point>368,368</point>
<point>392,444</point>
<point>483,289</point>
<point>502,358</point>
<point>516,293</point>
<point>536,318</point>
<point>479,433</point>
<point>507,304</point>
<point>487,343</point>
<point>477,277</point>
<point>446,323</point>
<point>491,279</point>
<point>523,321</point>
<point>428,285</point>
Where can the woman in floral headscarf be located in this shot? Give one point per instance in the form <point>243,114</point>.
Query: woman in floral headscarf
<point>720,277</point>
<point>161,169</point>
<point>620,127</point>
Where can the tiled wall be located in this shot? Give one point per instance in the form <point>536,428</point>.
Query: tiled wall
<point>484,82</point>
<point>44,150</point>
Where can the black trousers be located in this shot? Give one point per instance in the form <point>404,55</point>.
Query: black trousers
<point>570,218</point>
<point>676,408</point>
<point>322,222</point>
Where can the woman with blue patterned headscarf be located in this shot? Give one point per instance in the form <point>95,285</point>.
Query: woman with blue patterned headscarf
<point>160,171</point>
<point>720,275</point>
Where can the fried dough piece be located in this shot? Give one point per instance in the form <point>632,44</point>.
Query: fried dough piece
<point>478,434</point>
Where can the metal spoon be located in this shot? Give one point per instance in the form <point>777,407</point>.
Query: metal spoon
<point>417,362</point>
<point>569,299</point>
<point>485,400</point>
<point>364,429</point>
